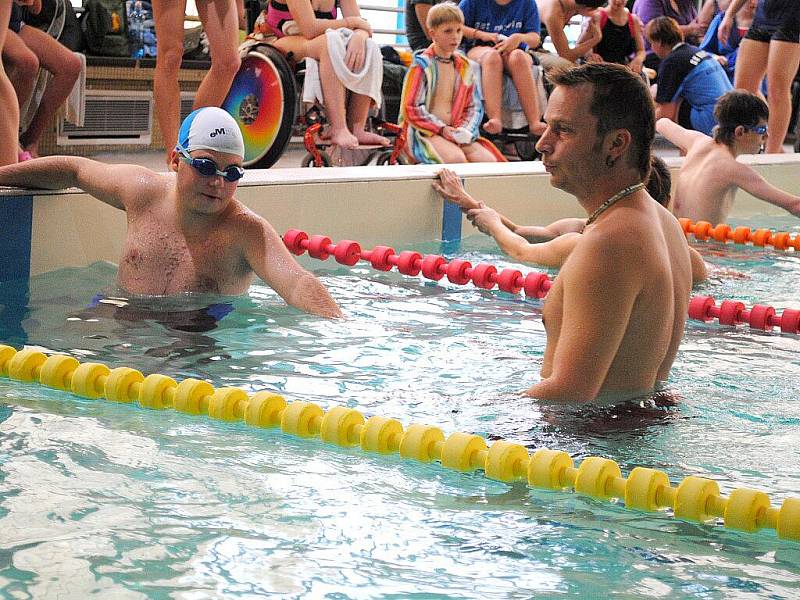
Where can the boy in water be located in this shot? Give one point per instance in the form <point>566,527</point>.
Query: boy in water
<point>710,174</point>
<point>441,102</point>
<point>186,231</point>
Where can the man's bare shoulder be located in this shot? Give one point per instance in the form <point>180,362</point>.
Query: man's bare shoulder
<point>140,184</point>
<point>245,223</point>
<point>613,239</point>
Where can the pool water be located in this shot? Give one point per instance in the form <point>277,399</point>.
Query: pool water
<point>118,501</point>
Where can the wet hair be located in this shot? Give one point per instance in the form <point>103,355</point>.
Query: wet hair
<point>591,3</point>
<point>445,12</point>
<point>620,100</point>
<point>664,30</point>
<point>659,184</point>
<point>736,108</point>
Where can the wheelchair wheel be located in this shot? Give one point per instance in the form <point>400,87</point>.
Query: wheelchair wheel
<point>383,158</point>
<point>263,101</point>
<point>308,160</point>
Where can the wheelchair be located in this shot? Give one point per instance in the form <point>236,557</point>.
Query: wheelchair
<point>265,100</point>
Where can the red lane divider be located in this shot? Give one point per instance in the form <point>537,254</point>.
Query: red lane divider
<point>731,312</point>
<point>431,266</point>
<point>535,285</point>
<point>703,230</point>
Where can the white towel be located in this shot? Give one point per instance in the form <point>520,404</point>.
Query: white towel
<point>75,107</point>
<point>366,82</point>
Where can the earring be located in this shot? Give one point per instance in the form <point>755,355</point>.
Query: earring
<point>610,162</point>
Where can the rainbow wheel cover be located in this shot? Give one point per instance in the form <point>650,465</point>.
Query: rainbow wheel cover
<point>256,101</point>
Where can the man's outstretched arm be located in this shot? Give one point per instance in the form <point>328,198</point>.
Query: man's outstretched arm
<point>752,182</point>
<point>112,184</point>
<point>267,255</point>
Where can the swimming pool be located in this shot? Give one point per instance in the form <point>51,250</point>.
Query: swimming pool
<point>124,502</point>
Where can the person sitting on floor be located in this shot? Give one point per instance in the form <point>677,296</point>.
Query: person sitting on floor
<point>186,231</point>
<point>441,103</point>
<point>690,80</point>
<point>548,245</point>
<point>499,33</point>
<point>710,174</point>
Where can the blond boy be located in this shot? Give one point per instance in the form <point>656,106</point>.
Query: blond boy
<point>441,103</point>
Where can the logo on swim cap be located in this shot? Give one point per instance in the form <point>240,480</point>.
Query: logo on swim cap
<point>210,128</point>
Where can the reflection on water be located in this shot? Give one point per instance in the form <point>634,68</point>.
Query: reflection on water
<point>123,502</point>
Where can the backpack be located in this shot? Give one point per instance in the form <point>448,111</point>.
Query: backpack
<point>105,26</point>
<point>604,20</point>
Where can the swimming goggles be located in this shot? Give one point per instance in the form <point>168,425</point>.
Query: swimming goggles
<point>208,168</point>
<point>759,129</point>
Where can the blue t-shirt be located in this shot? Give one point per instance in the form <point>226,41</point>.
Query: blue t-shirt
<point>518,16</point>
<point>695,76</point>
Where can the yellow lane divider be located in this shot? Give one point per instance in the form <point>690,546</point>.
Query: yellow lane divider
<point>694,499</point>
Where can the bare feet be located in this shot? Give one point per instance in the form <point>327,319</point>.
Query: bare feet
<point>344,139</point>
<point>493,126</point>
<point>367,138</point>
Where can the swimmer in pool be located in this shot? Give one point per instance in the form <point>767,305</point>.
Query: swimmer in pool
<point>710,174</point>
<point>615,314</point>
<point>186,231</point>
<point>548,245</point>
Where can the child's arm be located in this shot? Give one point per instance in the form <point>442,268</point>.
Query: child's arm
<point>637,62</point>
<point>550,254</point>
<point>681,137</point>
<point>750,181</point>
<point>470,33</point>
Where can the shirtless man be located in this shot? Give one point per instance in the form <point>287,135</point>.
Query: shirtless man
<point>555,15</point>
<point>615,314</point>
<point>710,174</point>
<point>549,245</point>
<point>186,231</point>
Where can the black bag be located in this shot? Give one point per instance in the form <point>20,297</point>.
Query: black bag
<point>105,26</point>
<point>392,88</point>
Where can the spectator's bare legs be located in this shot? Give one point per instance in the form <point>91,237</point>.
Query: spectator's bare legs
<point>784,59</point>
<point>347,124</point>
<point>221,23</point>
<point>357,113</point>
<point>21,66</point>
<point>168,15</point>
<point>449,152</point>
<point>518,64</point>
<point>477,153</point>
<point>65,67</point>
<point>334,94</point>
<point>751,66</point>
<point>492,83</point>
<point>9,116</point>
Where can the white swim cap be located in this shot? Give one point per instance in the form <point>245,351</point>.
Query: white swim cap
<point>210,128</point>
